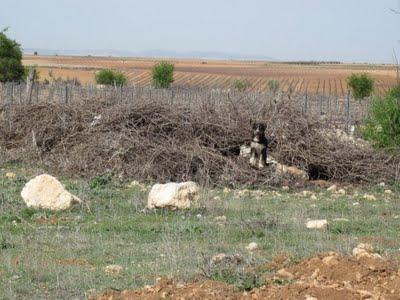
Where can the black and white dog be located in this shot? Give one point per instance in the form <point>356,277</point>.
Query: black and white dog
<point>258,146</point>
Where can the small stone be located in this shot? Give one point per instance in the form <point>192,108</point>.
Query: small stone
<point>369,197</point>
<point>341,220</point>
<point>388,192</point>
<point>382,184</point>
<point>220,219</point>
<point>330,260</point>
<point>341,192</point>
<point>284,274</point>
<point>356,203</point>
<point>199,216</point>
<point>218,258</point>
<point>365,250</point>
<point>308,297</point>
<point>227,190</point>
<point>252,247</point>
<point>365,294</point>
<point>313,197</point>
<point>113,270</point>
<point>332,188</point>
<point>10,175</point>
<point>285,188</point>
<point>317,224</point>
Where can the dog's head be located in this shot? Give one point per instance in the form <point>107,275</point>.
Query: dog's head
<point>258,131</point>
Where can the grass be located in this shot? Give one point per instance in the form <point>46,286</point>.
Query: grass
<point>62,255</point>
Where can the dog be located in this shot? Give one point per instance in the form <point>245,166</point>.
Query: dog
<point>258,146</point>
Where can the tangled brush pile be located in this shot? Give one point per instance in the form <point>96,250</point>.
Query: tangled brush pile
<point>186,141</point>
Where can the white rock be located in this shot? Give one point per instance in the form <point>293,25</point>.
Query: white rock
<point>283,273</point>
<point>173,195</point>
<point>113,270</point>
<point>252,246</point>
<point>10,175</point>
<point>369,197</point>
<point>388,192</point>
<point>332,188</point>
<point>382,184</point>
<point>365,250</point>
<point>341,192</point>
<point>45,191</point>
<point>314,197</point>
<point>317,224</point>
<point>341,220</point>
<point>220,219</point>
<point>218,258</point>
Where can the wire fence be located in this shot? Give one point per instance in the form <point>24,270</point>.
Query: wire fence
<point>335,109</point>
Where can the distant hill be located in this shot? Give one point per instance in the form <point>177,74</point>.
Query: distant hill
<point>153,53</point>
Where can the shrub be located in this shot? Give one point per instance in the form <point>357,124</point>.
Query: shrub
<point>28,69</point>
<point>394,92</point>
<point>110,77</point>
<point>383,124</point>
<point>361,85</point>
<point>11,68</point>
<point>241,85</point>
<point>163,74</point>
<point>273,85</point>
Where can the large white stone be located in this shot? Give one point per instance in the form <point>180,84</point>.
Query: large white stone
<point>45,191</point>
<point>173,195</point>
<point>317,224</point>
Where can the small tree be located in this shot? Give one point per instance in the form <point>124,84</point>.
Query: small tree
<point>163,74</point>
<point>383,124</point>
<point>110,77</point>
<point>11,68</point>
<point>241,85</point>
<point>273,85</point>
<point>361,85</point>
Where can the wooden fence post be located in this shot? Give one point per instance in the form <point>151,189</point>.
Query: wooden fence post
<point>348,112</point>
<point>29,85</point>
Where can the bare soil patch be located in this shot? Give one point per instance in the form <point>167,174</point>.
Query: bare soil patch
<point>315,278</point>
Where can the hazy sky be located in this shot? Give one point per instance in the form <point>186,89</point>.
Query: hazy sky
<point>348,30</point>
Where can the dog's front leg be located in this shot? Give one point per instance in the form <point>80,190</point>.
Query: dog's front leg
<point>253,160</point>
<point>262,159</point>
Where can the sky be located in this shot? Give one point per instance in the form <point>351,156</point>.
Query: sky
<point>345,30</point>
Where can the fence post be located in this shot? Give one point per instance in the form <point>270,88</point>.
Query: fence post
<point>29,85</point>
<point>66,94</point>
<point>306,102</point>
<point>348,112</point>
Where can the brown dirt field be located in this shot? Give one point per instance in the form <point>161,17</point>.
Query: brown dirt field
<point>324,78</point>
<point>327,276</point>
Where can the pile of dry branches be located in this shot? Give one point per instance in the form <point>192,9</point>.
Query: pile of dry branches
<point>184,141</point>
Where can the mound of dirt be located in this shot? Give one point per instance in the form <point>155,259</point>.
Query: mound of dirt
<point>199,142</point>
<point>327,276</point>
